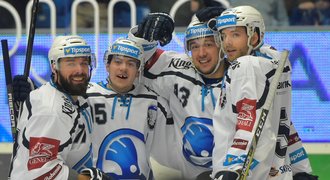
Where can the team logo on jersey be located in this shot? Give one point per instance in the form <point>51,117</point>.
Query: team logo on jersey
<point>52,173</point>
<point>152,116</point>
<point>179,63</point>
<point>240,144</point>
<point>235,64</point>
<point>118,155</point>
<point>67,107</point>
<point>246,117</point>
<point>198,141</point>
<point>41,151</point>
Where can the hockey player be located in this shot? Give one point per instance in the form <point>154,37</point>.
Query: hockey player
<point>54,129</point>
<point>127,115</point>
<point>239,105</point>
<point>190,83</point>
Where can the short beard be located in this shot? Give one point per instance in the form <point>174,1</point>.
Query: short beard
<point>74,90</point>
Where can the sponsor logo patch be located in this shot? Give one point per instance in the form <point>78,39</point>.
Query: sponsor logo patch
<point>126,50</point>
<point>226,20</point>
<point>240,144</point>
<point>284,84</point>
<point>198,31</point>
<point>178,63</point>
<point>51,174</point>
<point>42,150</point>
<point>273,172</point>
<point>293,138</point>
<point>232,159</point>
<point>282,169</point>
<point>298,155</point>
<point>246,117</point>
<point>77,50</point>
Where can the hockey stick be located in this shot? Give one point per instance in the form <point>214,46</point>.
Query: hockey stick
<point>9,84</point>
<point>263,116</point>
<point>29,47</point>
<point>31,37</point>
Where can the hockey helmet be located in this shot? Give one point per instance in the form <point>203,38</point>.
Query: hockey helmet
<point>70,46</point>
<point>246,16</point>
<point>125,47</point>
<point>197,29</point>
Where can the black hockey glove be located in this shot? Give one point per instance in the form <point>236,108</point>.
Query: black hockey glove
<point>156,27</point>
<point>205,14</point>
<point>204,176</point>
<point>95,174</point>
<point>22,86</point>
<point>304,176</point>
<point>227,175</point>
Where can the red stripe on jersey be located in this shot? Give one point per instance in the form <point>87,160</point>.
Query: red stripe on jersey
<point>41,151</point>
<point>51,174</point>
<point>294,138</point>
<point>153,59</point>
<point>246,116</point>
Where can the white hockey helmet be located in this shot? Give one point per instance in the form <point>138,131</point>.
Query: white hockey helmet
<point>70,46</point>
<point>125,47</point>
<point>195,30</point>
<point>246,16</point>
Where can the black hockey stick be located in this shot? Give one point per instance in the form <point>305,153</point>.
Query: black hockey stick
<point>31,37</point>
<point>29,47</point>
<point>9,84</point>
<point>263,116</point>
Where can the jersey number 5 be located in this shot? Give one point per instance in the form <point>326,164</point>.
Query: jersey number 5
<point>100,113</point>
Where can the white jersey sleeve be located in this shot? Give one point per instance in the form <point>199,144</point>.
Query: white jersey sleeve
<point>54,136</point>
<point>236,118</point>
<point>296,151</point>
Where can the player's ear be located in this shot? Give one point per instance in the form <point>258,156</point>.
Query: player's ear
<point>107,67</point>
<point>137,74</point>
<point>254,39</point>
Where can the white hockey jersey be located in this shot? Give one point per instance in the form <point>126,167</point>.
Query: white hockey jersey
<point>192,103</point>
<point>298,156</point>
<point>236,118</point>
<point>54,135</point>
<point>124,127</point>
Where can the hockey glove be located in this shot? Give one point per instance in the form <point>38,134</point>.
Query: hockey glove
<point>227,175</point>
<point>95,174</point>
<point>205,14</point>
<point>304,176</point>
<point>204,175</point>
<point>22,86</point>
<point>156,27</point>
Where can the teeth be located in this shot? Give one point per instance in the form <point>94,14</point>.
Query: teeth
<point>122,76</point>
<point>203,61</point>
<point>78,78</point>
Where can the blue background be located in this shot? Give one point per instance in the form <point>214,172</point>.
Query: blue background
<point>310,58</point>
